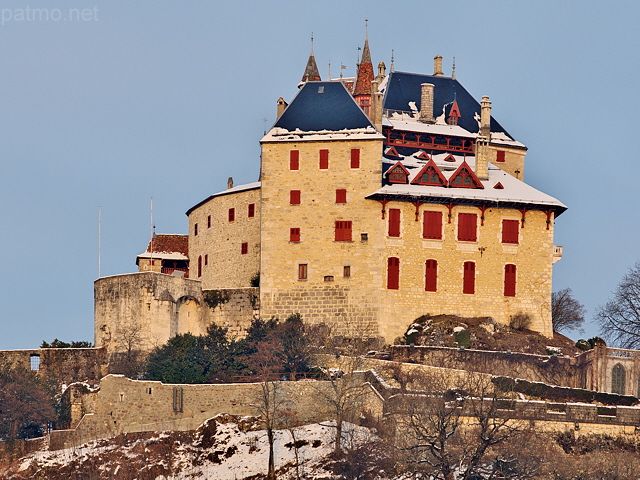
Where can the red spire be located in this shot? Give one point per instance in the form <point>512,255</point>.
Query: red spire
<point>454,114</point>
<point>365,73</point>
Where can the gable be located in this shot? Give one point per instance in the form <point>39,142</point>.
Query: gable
<point>397,174</point>
<point>464,177</point>
<point>430,174</point>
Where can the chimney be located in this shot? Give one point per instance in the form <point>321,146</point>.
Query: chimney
<point>376,105</point>
<point>382,70</point>
<point>485,118</point>
<point>282,105</point>
<point>426,103</point>
<point>437,66</point>
<point>482,158</point>
<point>230,183</point>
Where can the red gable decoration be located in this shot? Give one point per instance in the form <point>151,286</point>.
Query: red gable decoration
<point>430,175</point>
<point>391,152</point>
<point>397,174</point>
<point>423,155</point>
<point>464,177</point>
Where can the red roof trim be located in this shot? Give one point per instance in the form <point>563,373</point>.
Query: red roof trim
<point>465,166</point>
<point>417,179</point>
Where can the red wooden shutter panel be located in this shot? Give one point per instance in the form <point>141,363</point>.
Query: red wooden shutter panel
<point>200,266</point>
<point>500,156</point>
<point>394,222</point>
<point>393,273</point>
<point>294,234</point>
<point>343,231</point>
<point>510,231</point>
<point>244,248</point>
<point>294,197</point>
<point>431,276</point>
<point>469,280</point>
<point>467,223</point>
<point>232,214</point>
<point>432,225</point>
<point>510,280</point>
<point>294,160</point>
<point>252,210</point>
<point>341,195</point>
<point>355,158</point>
<point>324,159</point>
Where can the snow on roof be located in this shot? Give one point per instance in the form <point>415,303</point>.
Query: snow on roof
<point>277,134</point>
<point>239,188</point>
<point>400,122</point>
<point>163,255</point>
<point>502,138</point>
<point>514,191</point>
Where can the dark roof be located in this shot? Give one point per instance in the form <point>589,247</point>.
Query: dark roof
<point>165,243</point>
<point>403,88</point>
<point>323,106</point>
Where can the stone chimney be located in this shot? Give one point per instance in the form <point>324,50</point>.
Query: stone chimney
<point>482,158</point>
<point>382,70</point>
<point>230,183</point>
<point>375,113</point>
<point>426,103</point>
<point>485,118</point>
<point>437,66</point>
<point>282,105</point>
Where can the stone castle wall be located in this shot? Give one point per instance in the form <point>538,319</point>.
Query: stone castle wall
<point>233,308</point>
<point>217,247</point>
<point>123,405</point>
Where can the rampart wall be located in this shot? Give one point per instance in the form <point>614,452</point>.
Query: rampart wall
<point>233,308</point>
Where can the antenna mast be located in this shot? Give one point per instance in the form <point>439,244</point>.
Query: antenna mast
<point>99,233</point>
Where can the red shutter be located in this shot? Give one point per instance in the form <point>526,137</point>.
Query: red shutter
<point>244,248</point>
<point>209,221</point>
<point>252,209</point>
<point>510,280</point>
<point>200,266</point>
<point>393,273</point>
<point>294,197</point>
<point>355,158</point>
<point>232,214</point>
<point>394,222</point>
<point>343,231</point>
<point>469,280</point>
<point>341,195</point>
<point>195,230</point>
<point>324,159</point>
<point>510,231</point>
<point>294,234</point>
<point>432,225</point>
<point>500,156</point>
<point>431,276</point>
<point>467,223</point>
<point>294,160</point>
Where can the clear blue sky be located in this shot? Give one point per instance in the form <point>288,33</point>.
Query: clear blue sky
<point>166,99</point>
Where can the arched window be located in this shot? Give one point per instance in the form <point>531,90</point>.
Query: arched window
<point>618,379</point>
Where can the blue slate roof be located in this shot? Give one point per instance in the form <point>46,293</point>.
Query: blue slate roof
<point>403,88</point>
<point>323,106</point>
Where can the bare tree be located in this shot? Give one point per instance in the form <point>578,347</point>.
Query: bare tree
<point>620,318</point>
<point>567,313</point>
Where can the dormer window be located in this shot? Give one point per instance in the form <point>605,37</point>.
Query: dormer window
<point>423,155</point>
<point>450,158</point>
<point>430,175</point>
<point>465,178</point>
<point>397,174</point>
<point>391,152</point>
<point>321,89</point>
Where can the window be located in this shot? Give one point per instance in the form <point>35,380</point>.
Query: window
<point>509,280</point>
<point>294,197</point>
<point>467,227</point>
<point>195,229</point>
<point>398,174</point>
<point>209,221</point>
<point>464,177</point>
<point>430,175</point>
<point>618,379</point>
<point>431,276</point>
<point>469,278</point>
<point>328,278</point>
<point>294,234</point>
<point>394,222</point>
<point>294,160</point>
<point>244,248</point>
<point>343,231</point>
<point>200,266</point>
<point>302,271</point>
<point>341,195</point>
<point>324,159</point>
<point>206,260</point>
<point>432,225</point>
<point>393,273</point>
<point>346,271</point>
<point>252,210</point>
<point>232,214</point>
<point>34,362</point>
<point>510,231</point>
<point>500,156</point>
<point>355,158</point>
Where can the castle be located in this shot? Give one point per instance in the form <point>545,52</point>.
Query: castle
<point>380,199</point>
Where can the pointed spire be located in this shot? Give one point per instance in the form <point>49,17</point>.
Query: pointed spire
<point>365,70</point>
<point>453,70</point>
<point>454,114</point>
<point>393,68</point>
<point>311,72</point>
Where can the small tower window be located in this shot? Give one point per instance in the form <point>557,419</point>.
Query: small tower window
<point>469,278</point>
<point>251,210</point>
<point>355,158</point>
<point>232,214</point>
<point>294,160</point>
<point>294,234</point>
<point>302,271</point>
<point>34,363</point>
<point>244,248</point>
